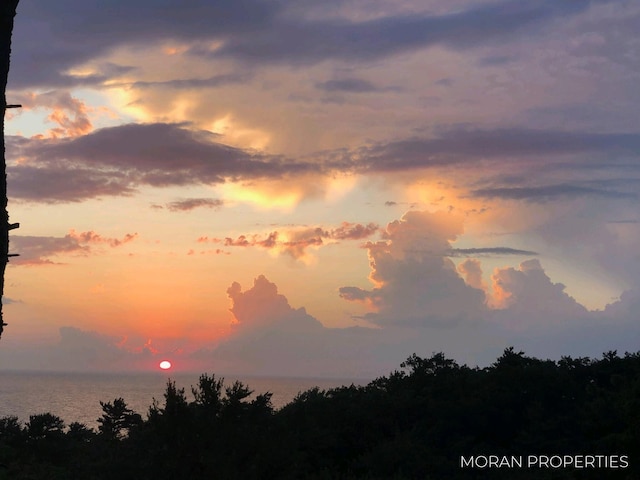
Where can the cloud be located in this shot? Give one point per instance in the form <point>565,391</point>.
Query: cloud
<point>35,250</point>
<point>192,203</point>
<point>465,252</point>
<point>294,242</point>
<point>262,307</point>
<point>8,301</point>
<point>251,31</point>
<point>548,192</point>
<point>69,113</point>
<point>307,42</point>
<point>527,293</point>
<point>88,30</point>
<point>471,269</point>
<point>348,85</point>
<point>93,237</point>
<point>457,146</point>
<point>269,337</point>
<point>116,160</point>
<point>190,83</point>
<point>415,283</point>
<point>83,350</point>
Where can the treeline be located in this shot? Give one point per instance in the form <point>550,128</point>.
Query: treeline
<point>415,423</point>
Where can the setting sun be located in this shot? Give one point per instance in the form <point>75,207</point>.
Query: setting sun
<point>165,365</point>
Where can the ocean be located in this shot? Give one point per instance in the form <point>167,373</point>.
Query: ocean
<point>75,397</point>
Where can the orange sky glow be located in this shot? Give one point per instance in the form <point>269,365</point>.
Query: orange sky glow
<point>251,196</point>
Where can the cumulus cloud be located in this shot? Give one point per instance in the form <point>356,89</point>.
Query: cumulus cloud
<point>262,307</point>
<point>415,282</point>
<point>270,337</point>
<point>472,273</point>
<point>527,292</point>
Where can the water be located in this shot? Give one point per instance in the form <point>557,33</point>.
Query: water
<point>75,397</point>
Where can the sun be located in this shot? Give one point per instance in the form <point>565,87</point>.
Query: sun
<point>165,365</point>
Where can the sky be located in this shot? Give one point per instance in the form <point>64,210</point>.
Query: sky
<point>321,188</point>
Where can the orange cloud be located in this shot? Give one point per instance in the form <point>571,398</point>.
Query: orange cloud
<point>294,242</point>
<point>93,237</point>
<point>70,114</point>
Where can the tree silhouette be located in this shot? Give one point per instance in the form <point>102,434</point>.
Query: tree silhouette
<point>7,12</point>
<point>117,419</point>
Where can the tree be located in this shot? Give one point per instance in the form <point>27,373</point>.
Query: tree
<point>7,12</point>
<point>117,419</point>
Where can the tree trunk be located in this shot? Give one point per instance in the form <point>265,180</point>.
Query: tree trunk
<point>7,12</point>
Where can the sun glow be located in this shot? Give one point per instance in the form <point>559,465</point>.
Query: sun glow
<point>165,365</point>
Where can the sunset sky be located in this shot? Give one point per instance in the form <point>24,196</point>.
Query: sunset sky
<point>321,188</point>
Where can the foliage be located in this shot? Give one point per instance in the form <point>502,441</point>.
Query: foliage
<point>414,423</point>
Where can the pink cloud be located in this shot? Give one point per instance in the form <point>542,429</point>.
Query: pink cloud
<point>295,241</point>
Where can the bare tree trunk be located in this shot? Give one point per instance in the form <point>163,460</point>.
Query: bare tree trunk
<point>7,12</point>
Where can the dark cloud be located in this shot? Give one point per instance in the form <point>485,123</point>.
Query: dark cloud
<point>548,192</point>
<point>210,82</point>
<point>34,250</point>
<point>445,82</point>
<point>457,145</point>
<point>629,221</point>
<point>498,251</point>
<point>348,85</point>
<point>8,301</point>
<point>495,60</point>
<point>193,203</point>
<point>51,183</point>
<point>38,250</point>
<point>116,160</point>
<point>49,44</point>
<point>307,42</point>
